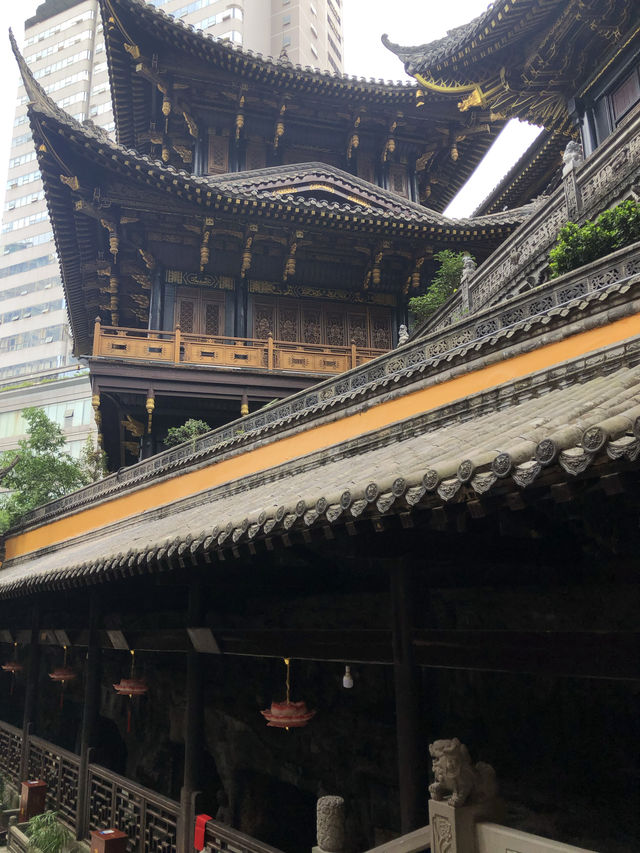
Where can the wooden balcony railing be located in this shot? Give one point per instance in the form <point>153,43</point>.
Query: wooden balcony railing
<point>179,348</point>
<point>150,820</point>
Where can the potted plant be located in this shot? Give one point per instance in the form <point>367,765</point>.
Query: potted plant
<point>48,835</point>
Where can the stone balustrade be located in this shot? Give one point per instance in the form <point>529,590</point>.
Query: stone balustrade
<point>609,175</point>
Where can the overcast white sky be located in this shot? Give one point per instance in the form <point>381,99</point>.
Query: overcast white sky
<point>406,22</point>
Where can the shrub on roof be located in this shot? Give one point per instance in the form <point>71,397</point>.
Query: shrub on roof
<point>444,283</point>
<point>578,245</point>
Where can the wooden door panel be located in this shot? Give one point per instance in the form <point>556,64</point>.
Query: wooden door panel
<point>186,314</point>
<point>288,322</point>
<point>212,312</point>
<point>200,313</point>
<point>380,330</point>
<point>358,329</point>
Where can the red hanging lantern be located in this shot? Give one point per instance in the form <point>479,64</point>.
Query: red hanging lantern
<point>61,675</point>
<point>131,687</point>
<point>288,715</point>
<point>13,666</point>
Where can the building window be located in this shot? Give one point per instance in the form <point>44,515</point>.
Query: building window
<point>625,96</point>
<point>314,31</point>
<point>313,10</point>
<point>286,41</point>
<point>286,20</point>
<point>333,45</point>
<point>233,36</point>
<point>314,51</point>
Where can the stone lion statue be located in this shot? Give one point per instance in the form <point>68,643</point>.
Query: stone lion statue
<point>572,156</point>
<point>457,778</point>
<point>468,268</point>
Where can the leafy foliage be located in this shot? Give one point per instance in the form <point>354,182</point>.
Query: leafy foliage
<point>189,430</point>
<point>93,460</point>
<point>40,470</point>
<point>444,283</point>
<point>48,835</point>
<point>578,245</point>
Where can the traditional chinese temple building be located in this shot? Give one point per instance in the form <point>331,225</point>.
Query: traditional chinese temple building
<point>258,225</point>
<point>454,519</point>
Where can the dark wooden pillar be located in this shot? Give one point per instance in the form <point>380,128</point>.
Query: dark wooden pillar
<point>240,308</point>
<point>31,691</point>
<point>193,725</point>
<point>201,153</point>
<point>412,180</point>
<point>411,757</point>
<point>155,299</point>
<point>90,712</point>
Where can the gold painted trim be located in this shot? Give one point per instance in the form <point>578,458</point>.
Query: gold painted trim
<point>327,187</point>
<point>592,83</point>
<point>447,88</point>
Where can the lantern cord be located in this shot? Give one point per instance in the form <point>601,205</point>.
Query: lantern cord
<point>64,663</point>
<point>287,663</point>
<point>129,717</point>
<point>132,662</point>
<point>62,697</point>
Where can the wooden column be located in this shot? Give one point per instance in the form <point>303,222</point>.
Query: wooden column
<point>241,298</point>
<point>31,692</point>
<point>411,749</point>
<point>155,299</point>
<point>193,725</point>
<point>201,154</point>
<point>89,714</point>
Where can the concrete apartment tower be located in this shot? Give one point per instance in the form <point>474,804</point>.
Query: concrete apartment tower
<point>64,47</point>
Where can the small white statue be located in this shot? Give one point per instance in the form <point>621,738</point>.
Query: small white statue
<point>403,335</point>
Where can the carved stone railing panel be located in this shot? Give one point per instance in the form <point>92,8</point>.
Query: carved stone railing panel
<point>148,819</point>
<point>10,750</point>
<point>606,177</point>
<point>429,349</point>
<point>60,770</point>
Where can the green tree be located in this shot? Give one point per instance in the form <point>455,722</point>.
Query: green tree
<point>188,431</point>
<point>444,283</point>
<point>39,470</point>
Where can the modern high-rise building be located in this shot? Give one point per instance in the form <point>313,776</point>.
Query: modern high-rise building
<point>64,48</point>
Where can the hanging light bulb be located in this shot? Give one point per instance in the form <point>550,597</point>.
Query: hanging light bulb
<point>347,678</point>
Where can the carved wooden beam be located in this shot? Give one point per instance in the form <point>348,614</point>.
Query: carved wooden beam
<point>205,244</point>
<point>290,262</point>
<point>279,128</point>
<point>249,237</point>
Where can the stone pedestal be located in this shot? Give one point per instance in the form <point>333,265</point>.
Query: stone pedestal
<point>330,825</point>
<point>453,829</point>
